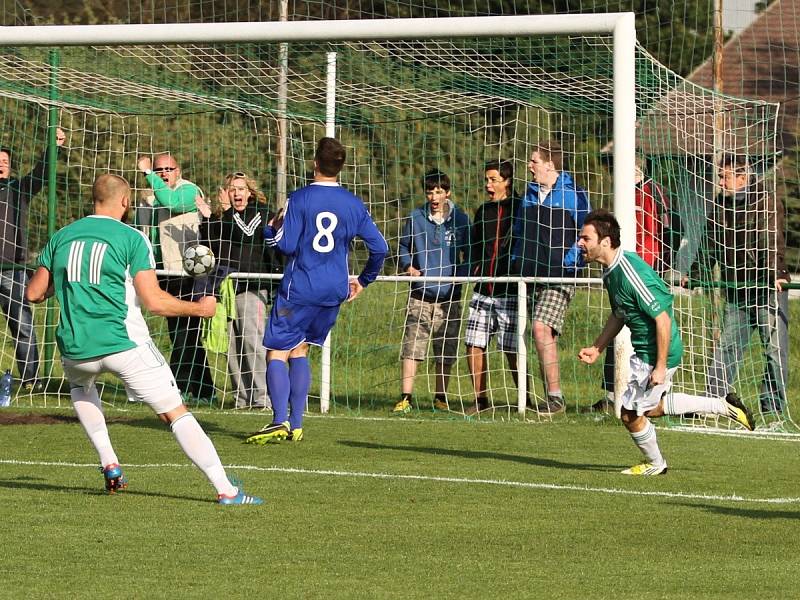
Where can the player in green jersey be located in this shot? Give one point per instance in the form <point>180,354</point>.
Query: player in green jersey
<point>641,300</point>
<point>100,270</point>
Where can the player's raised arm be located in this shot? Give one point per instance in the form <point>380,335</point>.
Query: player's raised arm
<point>284,230</point>
<point>377,247</point>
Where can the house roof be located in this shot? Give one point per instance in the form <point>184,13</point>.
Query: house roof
<point>763,62</point>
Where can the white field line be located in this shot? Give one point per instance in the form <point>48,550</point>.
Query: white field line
<point>463,480</point>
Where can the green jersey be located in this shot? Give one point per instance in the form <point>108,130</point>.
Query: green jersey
<point>93,262</point>
<point>638,295</point>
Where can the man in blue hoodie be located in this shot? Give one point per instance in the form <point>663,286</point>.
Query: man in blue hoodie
<point>554,188</point>
<point>435,242</point>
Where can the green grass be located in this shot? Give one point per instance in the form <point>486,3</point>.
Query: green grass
<point>408,508</point>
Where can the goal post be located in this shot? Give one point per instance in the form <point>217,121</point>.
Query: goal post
<point>406,96</point>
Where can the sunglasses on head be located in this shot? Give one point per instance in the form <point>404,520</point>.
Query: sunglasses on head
<point>238,174</point>
<point>164,169</point>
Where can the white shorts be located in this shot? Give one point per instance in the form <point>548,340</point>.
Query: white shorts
<point>143,370</point>
<point>639,397</point>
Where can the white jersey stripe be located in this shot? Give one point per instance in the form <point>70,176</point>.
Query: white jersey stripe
<point>75,260</point>
<point>247,228</point>
<point>96,262</point>
<point>636,280</point>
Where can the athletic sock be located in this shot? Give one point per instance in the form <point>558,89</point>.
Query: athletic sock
<point>646,441</point>
<point>200,450</point>
<point>299,381</point>
<point>279,387</point>
<point>90,414</point>
<point>681,404</point>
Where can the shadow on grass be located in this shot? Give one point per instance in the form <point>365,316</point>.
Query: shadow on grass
<point>748,513</point>
<point>147,422</point>
<point>478,454</point>
<point>25,484</point>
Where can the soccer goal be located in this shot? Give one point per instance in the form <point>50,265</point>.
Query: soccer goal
<point>405,96</point>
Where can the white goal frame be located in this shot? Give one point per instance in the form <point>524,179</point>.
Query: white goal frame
<point>620,25</point>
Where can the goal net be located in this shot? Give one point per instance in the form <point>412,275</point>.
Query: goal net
<point>402,108</point>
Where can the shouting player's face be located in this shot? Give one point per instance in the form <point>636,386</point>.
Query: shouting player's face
<point>496,186</point>
<point>437,199</point>
<point>592,248</point>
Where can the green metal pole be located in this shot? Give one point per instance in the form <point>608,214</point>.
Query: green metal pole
<point>54,59</point>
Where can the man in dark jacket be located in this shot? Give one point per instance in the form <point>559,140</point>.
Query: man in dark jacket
<point>744,236</point>
<point>493,307</point>
<point>15,198</point>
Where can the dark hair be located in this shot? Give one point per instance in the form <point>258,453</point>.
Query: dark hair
<point>550,151</point>
<point>502,166</point>
<point>737,162</point>
<point>330,156</point>
<point>7,150</point>
<point>605,224</point>
<point>435,178</point>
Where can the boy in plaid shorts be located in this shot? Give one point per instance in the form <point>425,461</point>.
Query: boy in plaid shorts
<point>493,307</point>
<point>435,242</point>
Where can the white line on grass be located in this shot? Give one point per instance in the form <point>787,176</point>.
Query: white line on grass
<point>498,482</point>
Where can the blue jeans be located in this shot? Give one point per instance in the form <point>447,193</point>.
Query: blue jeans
<point>20,321</point>
<point>773,329</point>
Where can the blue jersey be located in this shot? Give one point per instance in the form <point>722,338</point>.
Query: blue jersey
<point>321,221</point>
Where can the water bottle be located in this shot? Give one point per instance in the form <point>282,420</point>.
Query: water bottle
<point>6,381</point>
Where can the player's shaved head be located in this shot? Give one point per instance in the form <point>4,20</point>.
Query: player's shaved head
<point>110,188</point>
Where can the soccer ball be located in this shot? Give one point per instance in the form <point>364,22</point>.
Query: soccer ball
<point>198,260</point>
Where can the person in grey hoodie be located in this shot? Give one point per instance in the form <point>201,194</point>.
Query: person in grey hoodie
<point>435,242</point>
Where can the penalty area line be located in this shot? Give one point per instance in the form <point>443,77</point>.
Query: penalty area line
<point>456,480</point>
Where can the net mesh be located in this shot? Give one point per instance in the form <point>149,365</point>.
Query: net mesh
<point>403,108</point>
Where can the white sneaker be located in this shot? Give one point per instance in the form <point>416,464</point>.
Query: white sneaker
<point>647,469</point>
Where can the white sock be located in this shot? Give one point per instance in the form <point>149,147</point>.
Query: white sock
<point>90,413</point>
<point>680,404</point>
<point>646,441</point>
<point>200,450</point>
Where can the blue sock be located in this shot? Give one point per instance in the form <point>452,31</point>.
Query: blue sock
<point>300,380</point>
<point>278,384</point>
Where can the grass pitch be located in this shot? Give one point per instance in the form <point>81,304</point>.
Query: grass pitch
<point>398,508</point>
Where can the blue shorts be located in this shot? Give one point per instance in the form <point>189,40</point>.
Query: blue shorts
<point>292,324</point>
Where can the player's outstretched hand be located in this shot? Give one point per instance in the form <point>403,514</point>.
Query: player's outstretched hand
<point>588,355</point>
<point>355,289</point>
<point>207,306</point>
<point>276,221</point>
<point>144,163</point>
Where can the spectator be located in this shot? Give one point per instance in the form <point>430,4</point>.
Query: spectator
<point>435,242</point>
<point>321,221</point>
<point>100,270</point>
<point>15,197</point>
<point>745,237</point>
<point>641,300</point>
<point>542,237</point>
<point>652,221</point>
<point>178,227</point>
<point>552,187</point>
<point>235,235</point>
<point>493,306</point>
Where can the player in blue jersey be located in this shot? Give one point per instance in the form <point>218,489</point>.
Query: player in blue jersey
<point>315,232</point>
<point>641,300</point>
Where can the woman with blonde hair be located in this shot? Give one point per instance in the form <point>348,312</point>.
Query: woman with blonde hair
<point>233,229</point>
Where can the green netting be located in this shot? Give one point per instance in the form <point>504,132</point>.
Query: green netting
<point>402,109</point>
